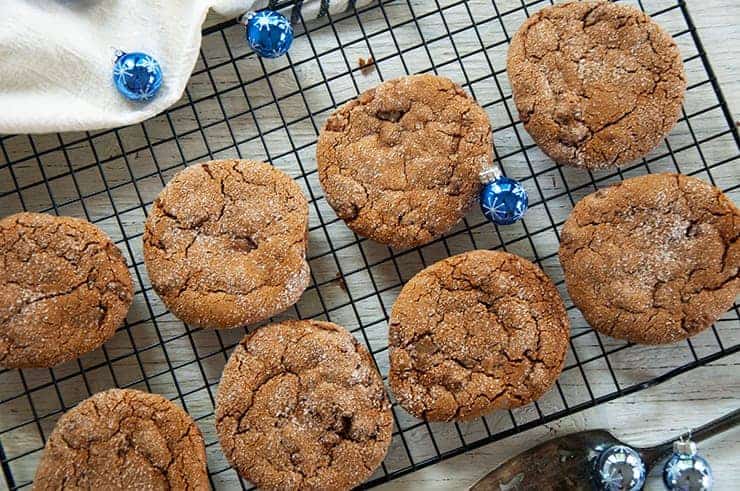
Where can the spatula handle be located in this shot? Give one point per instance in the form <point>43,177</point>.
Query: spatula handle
<point>715,427</point>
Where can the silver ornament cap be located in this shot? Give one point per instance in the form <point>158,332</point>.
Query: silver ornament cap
<point>684,447</point>
<point>490,174</point>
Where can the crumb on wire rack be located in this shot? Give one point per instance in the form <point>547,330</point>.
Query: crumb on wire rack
<point>366,65</point>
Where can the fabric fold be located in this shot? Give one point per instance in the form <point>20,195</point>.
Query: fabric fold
<point>56,56</point>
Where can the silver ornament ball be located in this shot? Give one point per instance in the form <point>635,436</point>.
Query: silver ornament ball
<point>620,468</point>
<point>686,470</point>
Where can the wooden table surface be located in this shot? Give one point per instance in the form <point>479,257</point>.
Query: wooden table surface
<point>655,414</point>
<point>644,418</point>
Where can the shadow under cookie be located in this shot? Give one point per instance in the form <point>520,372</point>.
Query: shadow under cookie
<point>475,332</point>
<point>124,439</point>
<point>225,243</point>
<point>64,289</point>
<point>653,259</point>
<point>596,84</point>
<point>400,164</point>
<point>301,406</point>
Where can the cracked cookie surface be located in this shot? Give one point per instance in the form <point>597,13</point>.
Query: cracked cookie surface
<point>64,289</point>
<point>475,332</point>
<point>596,84</point>
<point>653,259</point>
<point>124,439</point>
<point>301,406</point>
<point>225,243</point>
<point>400,163</point>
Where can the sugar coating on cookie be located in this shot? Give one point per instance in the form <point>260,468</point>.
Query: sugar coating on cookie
<point>124,439</point>
<point>64,289</point>
<point>225,243</point>
<point>475,332</point>
<point>653,259</point>
<point>596,84</point>
<point>301,406</point>
<point>400,163</point>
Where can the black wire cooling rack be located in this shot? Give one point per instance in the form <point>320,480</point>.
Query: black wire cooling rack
<point>238,105</point>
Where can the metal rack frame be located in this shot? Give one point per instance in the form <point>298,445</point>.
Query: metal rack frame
<point>36,398</point>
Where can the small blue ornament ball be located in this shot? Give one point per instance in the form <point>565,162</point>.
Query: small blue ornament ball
<point>269,33</point>
<point>686,470</point>
<point>137,76</point>
<point>620,468</point>
<point>503,200</point>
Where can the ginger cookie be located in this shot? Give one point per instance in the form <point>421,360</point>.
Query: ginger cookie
<point>124,439</point>
<point>225,243</point>
<point>596,84</point>
<point>653,259</point>
<point>400,163</point>
<point>475,332</point>
<point>301,406</point>
<point>64,289</point>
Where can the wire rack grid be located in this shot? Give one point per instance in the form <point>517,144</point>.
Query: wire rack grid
<point>238,105</point>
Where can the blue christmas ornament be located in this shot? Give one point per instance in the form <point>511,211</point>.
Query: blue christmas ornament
<point>620,468</point>
<point>503,200</point>
<point>137,76</point>
<point>686,470</point>
<point>269,33</point>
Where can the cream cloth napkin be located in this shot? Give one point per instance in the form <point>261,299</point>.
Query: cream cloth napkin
<point>56,56</point>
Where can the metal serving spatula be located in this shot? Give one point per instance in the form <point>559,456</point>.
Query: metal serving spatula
<point>573,462</point>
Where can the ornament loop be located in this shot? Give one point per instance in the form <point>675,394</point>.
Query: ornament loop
<point>244,18</point>
<point>117,53</point>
